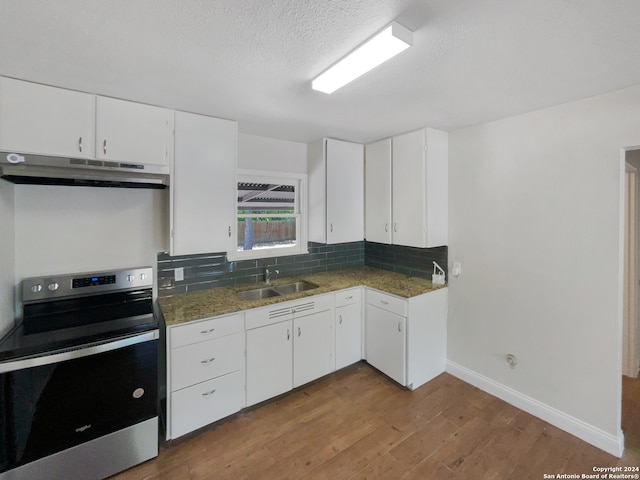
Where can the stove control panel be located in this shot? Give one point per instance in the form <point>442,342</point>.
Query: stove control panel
<point>60,286</point>
<point>92,281</point>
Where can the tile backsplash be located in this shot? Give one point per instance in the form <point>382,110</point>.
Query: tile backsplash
<point>212,270</point>
<point>412,261</point>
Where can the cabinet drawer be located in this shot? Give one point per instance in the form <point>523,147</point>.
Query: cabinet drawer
<point>204,330</point>
<point>205,403</point>
<point>387,302</point>
<point>348,297</point>
<point>202,361</point>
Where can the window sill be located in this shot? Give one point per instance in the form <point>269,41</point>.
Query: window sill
<point>265,253</point>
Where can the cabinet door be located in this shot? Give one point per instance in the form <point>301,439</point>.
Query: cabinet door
<point>269,361</point>
<point>348,335</point>
<point>203,184</point>
<point>44,120</point>
<point>345,191</point>
<point>133,133</point>
<point>385,342</point>
<point>378,191</point>
<point>312,347</point>
<point>409,216</point>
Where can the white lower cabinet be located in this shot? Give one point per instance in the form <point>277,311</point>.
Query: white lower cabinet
<point>288,345</point>
<point>206,374</point>
<point>204,403</point>
<point>312,347</point>
<point>386,342</point>
<point>348,320</point>
<point>406,338</point>
<point>196,363</point>
<point>219,365</point>
<point>269,361</point>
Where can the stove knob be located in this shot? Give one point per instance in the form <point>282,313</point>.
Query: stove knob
<point>53,286</point>
<point>143,276</point>
<point>129,278</point>
<point>36,288</point>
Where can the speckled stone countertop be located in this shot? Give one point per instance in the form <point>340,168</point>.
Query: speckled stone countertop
<point>186,307</point>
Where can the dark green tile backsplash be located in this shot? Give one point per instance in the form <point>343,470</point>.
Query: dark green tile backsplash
<point>412,261</point>
<point>213,270</point>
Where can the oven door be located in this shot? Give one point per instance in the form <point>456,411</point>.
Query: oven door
<point>54,402</point>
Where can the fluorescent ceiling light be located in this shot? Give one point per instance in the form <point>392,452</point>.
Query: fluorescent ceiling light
<point>378,49</point>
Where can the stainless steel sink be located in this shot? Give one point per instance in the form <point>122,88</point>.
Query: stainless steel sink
<point>295,287</point>
<point>267,292</point>
<point>258,294</point>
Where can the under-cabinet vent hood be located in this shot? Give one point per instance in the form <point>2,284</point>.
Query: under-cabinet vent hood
<point>44,170</point>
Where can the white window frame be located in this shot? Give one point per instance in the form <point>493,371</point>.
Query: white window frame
<point>259,176</point>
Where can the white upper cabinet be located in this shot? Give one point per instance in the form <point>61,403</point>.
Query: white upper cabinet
<point>203,184</point>
<point>336,191</point>
<point>345,191</point>
<point>420,188</point>
<point>38,119</point>
<point>130,132</point>
<point>378,191</point>
<point>407,189</point>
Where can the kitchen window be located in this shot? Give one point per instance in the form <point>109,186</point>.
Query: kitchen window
<point>271,213</point>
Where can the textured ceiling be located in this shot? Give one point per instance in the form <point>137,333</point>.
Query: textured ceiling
<point>252,60</point>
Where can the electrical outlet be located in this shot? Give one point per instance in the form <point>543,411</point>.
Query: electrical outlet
<point>179,274</point>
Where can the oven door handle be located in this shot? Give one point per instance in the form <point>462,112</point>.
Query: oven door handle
<point>77,352</point>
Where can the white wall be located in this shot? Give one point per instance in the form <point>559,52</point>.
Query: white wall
<point>7,263</point>
<point>271,154</point>
<point>534,215</point>
<point>74,229</point>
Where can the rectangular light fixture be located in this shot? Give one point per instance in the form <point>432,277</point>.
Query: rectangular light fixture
<point>378,49</point>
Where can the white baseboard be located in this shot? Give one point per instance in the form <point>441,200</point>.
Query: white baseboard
<point>605,441</point>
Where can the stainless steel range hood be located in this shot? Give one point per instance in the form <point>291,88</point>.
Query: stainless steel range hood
<point>44,170</point>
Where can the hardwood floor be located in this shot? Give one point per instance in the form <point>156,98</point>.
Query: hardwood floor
<point>357,424</point>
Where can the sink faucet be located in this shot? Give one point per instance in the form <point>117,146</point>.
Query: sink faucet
<point>267,275</point>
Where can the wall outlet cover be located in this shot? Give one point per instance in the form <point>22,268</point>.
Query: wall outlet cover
<point>457,269</point>
<point>438,279</point>
<point>179,274</point>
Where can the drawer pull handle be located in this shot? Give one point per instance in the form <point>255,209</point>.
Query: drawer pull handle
<point>384,302</point>
<point>104,146</point>
<point>400,326</point>
<point>80,144</point>
<point>288,334</point>
<point>395,227</point>
<point>207,361</point>
<point>349,297</point>
<point>299,331</point>
<point>207,332</point>
<point>210,392</point>
<point>340,322</point>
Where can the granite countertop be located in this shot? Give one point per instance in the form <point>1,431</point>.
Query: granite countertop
<point>190,306</point>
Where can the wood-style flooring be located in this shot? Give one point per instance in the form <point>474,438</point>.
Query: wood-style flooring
<point>357,424</point>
